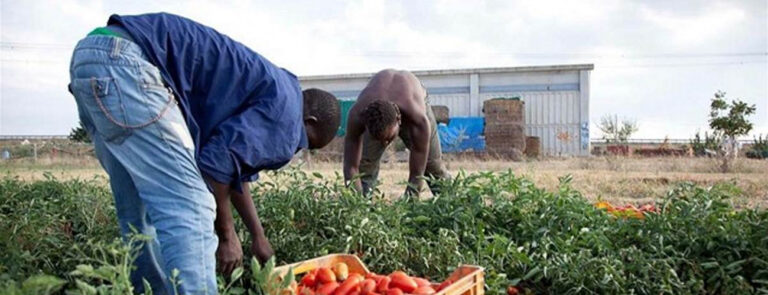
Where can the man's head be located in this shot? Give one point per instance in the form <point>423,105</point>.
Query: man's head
<point>382,120</point>
<point>322,116</point>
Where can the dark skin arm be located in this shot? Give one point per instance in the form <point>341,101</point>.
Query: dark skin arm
<point>417,163</point>
<point>243,202</point>
<point>229,254</point>
<point>353,150</point>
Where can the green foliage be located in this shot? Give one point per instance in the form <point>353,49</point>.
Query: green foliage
<point>710,142</point>
<point>543,241</point>
<point>615,132</point>
<point>730,119</point>
<point>42,222</point>
<point>759,148</point>
<point>78,134</point>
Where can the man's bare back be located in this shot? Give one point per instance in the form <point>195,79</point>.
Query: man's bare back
<point>392,104</point>
<point>399,87</point>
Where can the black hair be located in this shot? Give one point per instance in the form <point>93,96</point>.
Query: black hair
<point>380,115</point>
<point>325,107</point>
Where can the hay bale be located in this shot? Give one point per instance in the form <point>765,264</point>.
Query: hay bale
<point>504,110</point>
<point>532,146</point>
<point>442,114</point>
<point>505,127</point>
<point>503,138</point>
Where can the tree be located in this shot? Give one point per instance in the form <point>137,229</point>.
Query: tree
<point>78,134</point>
<point>613,132</point>
<point>730,120</point>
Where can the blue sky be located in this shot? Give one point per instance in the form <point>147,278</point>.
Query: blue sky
<point>658,62</point>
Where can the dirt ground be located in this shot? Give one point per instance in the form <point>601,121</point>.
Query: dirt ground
<point>619,180</point>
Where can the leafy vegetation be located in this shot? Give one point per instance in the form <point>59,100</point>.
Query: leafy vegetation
<point>542,241</point>
<point>759,148</point>
<point>617,132</point>
<point>78,134</point>
<point>709,144</point>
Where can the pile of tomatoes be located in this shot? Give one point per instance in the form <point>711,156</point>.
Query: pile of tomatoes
<point>338,281</point>
<point>628,211</point>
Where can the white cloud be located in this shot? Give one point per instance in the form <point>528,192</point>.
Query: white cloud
<point>341,36</point>
<point>718,18</point>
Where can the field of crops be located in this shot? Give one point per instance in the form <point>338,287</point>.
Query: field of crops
<point>543,241</point>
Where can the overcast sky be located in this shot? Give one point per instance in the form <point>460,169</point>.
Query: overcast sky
<point>658,62</point>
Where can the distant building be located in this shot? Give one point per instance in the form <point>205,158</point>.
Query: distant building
<point>556,97</point>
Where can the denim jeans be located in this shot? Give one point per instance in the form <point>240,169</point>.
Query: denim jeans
<point>142,141</point>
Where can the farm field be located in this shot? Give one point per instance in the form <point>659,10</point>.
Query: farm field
<point>619,180</point>
<point>532,226</point>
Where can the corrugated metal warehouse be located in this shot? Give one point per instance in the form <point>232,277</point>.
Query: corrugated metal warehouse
<point>556,97</point>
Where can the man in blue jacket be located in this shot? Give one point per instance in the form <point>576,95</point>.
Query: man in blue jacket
<point>177,110</point>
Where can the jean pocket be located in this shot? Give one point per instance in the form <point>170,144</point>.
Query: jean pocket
<point>118,109</point>
<point>101,99</point>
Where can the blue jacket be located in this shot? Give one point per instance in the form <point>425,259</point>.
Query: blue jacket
<point>244,113</point>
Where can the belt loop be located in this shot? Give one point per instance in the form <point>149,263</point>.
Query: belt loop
<point>115,47</point>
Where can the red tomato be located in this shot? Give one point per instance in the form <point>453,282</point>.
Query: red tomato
<point>357,275</point>
<point>425,290</point>
<point>421,282</point>
<point>512,290</point>
<point>374,276</point>
<point>403,282</point>
<point>327,289</point>
<point>394,291</point>
<point>444,284</point>
<point>383,285</point>
<point>309,280</point>
<point>325,275</point>
<point>347,286</point>
<point>367,286</point>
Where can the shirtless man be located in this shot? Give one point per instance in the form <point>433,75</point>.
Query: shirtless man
<point>394,103</point>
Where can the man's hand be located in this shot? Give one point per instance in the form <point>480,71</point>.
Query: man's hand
<point>412,191</point>
<point>229,254</point>
<point>261,249</point>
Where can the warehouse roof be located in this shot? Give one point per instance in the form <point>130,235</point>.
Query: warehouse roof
<point>461,71</point>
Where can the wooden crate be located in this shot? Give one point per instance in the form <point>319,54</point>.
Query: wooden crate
<point>467,279</point>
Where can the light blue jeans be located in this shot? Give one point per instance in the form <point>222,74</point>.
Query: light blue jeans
<point>143,143</point>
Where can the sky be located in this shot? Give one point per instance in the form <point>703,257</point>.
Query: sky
<point>656,62</point>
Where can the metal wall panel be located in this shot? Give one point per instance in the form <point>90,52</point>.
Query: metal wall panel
<point>458,104</point>
<point>552,116</point>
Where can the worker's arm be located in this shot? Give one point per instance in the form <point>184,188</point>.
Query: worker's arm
<point>353,151</point>
<point>243,202</point>
<point>229,253</point>
<point>420,132</point>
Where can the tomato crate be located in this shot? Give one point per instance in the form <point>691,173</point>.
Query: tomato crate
<point>467,279</point>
